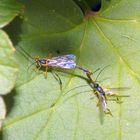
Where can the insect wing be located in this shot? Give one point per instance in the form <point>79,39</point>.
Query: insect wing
<point>65,61</point>
<point>114,91</point>
<point>102,107</point>
<point>69,57</point>
<point>102,102</point>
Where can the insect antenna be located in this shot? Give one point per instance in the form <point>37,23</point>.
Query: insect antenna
<point>101,72</point>
<point>31,65</point>
<point>27,56</point>
<point>100,81</point>
<point>24,53</point>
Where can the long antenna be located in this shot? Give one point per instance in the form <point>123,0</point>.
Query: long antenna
<point>24,53</point>
<point>101,72</point>
<point>31,65</point>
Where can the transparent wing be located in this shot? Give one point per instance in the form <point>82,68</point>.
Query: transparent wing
<point>113,94</point>
<point>118,89</point>
<point>64,61</point>
<point>67,57</point>
<point>115,91</point>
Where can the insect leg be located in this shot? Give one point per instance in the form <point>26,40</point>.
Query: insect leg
<point>102,103</point>
<point>46,72</point>
<point>56,76</point>
<point>116,96</point>
<point>108,111</point>
<point>37,68</point>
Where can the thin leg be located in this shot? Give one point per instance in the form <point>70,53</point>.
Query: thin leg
<point>117,97</point>
<point>46,72</point>
<point>108,111</point>
<point>37,69</point>
<point>56,76</point>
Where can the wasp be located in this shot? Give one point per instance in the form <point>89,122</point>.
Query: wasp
<point>67,61</point>
<point>101,93</point>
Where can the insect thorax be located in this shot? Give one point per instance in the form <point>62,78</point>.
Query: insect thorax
<point>42,62</point>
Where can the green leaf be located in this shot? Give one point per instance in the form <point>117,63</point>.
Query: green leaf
<point>39,109</point>
<point>8,70</point>
<point>2,111</point>
<point>8,65</point>
<point>8,10</point>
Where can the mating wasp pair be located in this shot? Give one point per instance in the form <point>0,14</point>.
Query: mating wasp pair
<point>69,62</point>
